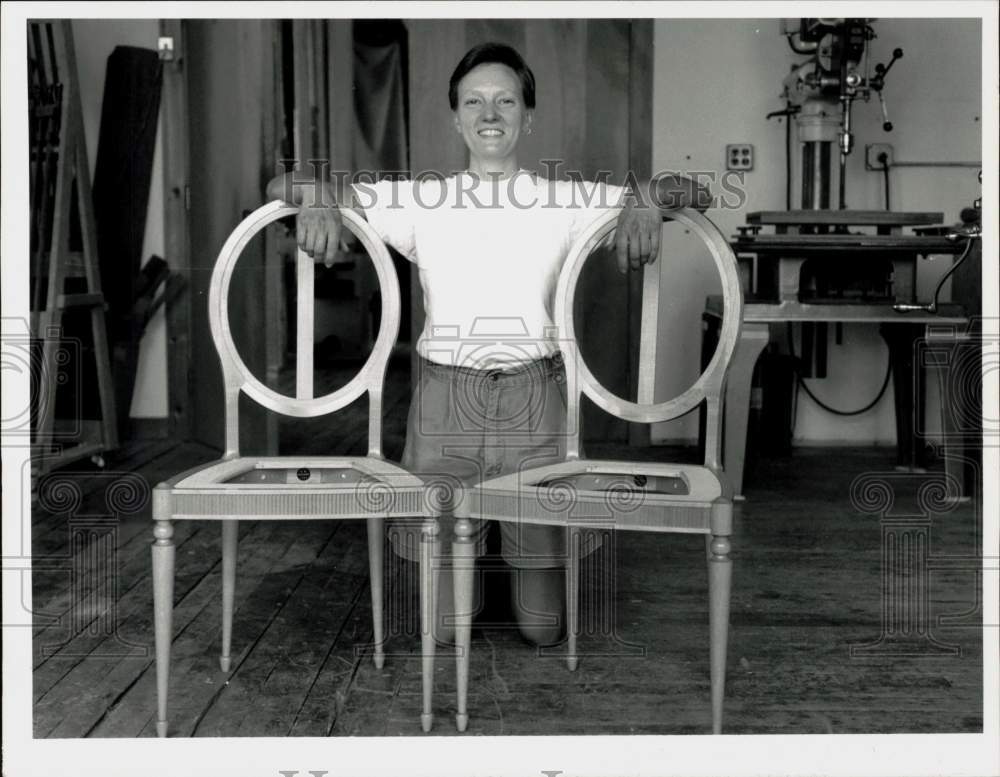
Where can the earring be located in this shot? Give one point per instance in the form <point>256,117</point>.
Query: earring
<point>527,130</point>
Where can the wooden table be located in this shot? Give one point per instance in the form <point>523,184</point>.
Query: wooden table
<point>800,236</point>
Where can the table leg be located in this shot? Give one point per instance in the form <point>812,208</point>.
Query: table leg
<point>957,359</point>
<point>901,339</point>
<point>753,340</point>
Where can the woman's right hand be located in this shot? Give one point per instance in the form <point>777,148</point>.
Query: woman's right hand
<point>318,225</point>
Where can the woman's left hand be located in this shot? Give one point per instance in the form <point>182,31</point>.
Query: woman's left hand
<point>637,236</point>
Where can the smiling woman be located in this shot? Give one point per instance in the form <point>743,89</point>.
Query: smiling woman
<point>492,93</point>
<point>489,243</point>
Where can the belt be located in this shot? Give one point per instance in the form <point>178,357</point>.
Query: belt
<point>549,362</point>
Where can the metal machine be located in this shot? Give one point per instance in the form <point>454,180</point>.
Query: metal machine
<point>821,91</point>
<point>817,265</point>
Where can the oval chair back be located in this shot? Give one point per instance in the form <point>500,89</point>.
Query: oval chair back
<point>238,378</point>
<point>709,386</point>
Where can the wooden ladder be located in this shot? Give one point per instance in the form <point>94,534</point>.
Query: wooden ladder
<point>60,178</point>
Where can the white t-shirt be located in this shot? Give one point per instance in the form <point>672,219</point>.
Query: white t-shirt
<point>489,254</point>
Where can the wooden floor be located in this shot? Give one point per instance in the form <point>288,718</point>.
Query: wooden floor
<point>807,586</point>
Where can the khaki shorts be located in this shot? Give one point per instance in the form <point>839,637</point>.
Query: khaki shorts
<point>466,426</point>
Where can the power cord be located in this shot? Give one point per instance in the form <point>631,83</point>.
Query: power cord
<point>884,159</point>
<point>969,235</point>
<point>802,384</point>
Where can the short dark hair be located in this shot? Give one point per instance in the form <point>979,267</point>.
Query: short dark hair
<point>486,53</point>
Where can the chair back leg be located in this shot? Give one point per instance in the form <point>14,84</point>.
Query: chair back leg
<point>163,610</point>
<point>230,535</point>
<point>376,549</point>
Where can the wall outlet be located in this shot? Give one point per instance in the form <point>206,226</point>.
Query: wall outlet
<point>739,156</point>
<point>165,47</point>
<point>872,153</point>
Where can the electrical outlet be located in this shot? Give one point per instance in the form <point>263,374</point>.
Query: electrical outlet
<point>872,153</point>
<point>739,156</point>
<point>165,47</point>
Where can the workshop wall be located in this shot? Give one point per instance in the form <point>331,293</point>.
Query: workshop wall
<point>714,82</point>
<point>95,39</point>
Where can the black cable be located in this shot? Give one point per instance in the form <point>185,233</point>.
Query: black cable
<point>885,173</point>
<point>788,156</point>
<point>947,275</point>
<point>808,48</point>
<point>817,400</point>
<point>933,306</point>
<point>788,112</point>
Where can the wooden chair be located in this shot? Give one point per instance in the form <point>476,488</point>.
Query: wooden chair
<point>663,497</point>
<point>253,488</point>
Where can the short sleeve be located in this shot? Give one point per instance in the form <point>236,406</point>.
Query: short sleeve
<point>588,201</point>
<point>390,209</point>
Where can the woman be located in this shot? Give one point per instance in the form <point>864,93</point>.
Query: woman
<point>489,244</point>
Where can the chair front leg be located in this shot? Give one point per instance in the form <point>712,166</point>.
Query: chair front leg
<point>163,610</point>
<point>376,571</point>
<point>230,535</point>
<point>430,554</point>
<point>464,561</point>
<point>720,573</point>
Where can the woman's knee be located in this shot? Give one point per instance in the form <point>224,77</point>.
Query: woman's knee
<point>538,602</point>
<point>541,633</point>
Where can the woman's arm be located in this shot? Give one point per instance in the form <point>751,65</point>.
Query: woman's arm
<point>671,192</point>
<point>637,236</point>
<point>318,226</point>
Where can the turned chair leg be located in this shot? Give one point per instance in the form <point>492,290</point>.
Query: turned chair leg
<point>230,534</point>
<point>430,554</point>
<point>464,560</point>
<point>163,610</point>
<point>376,549</point>
<point>572,597</point>
<point>720,574</point>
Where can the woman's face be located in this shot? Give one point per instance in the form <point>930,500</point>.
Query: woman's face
<point>491,113</point>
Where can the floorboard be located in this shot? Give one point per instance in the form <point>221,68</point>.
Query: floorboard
<point>807,594</point>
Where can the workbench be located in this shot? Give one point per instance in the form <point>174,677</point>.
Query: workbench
<point>919,342</point>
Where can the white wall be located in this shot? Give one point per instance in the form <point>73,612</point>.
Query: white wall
<point>934,100</point>
<point>95,39</point>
